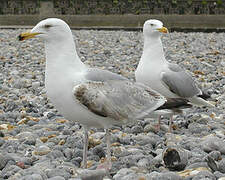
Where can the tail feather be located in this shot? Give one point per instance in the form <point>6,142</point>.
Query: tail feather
<point>200,102</point>
<point>204,95</point>
<point>174,103</point>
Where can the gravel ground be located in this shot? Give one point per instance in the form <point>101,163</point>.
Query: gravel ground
<point>37,143</point>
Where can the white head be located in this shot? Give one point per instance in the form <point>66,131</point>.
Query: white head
<point>153,28</point>
<point>49,29</point>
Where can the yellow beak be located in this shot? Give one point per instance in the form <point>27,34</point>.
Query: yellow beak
<point>163,30</point>
<point>27,35</point>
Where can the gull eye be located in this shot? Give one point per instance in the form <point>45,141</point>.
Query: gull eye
<point>47,26</point>
<point>151,24</point>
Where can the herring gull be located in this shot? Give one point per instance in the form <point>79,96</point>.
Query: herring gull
<point>90,96</point>
<point>168,79</point>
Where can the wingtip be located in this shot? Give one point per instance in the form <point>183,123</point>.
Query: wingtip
<point>201,102</point>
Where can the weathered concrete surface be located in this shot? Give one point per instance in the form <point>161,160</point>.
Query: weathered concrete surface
<point>201,22</point>
<point>46,8</point>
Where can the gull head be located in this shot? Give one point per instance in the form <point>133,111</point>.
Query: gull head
<point>154,28</point>
<point>49,29</point>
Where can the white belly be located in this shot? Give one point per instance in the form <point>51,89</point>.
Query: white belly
<point>60,93</point>
<point>152,78</point>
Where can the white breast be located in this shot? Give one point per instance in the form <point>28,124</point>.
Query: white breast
<point>150,75</point>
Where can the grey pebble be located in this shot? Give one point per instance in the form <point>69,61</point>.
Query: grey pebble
<point>204,175</point>
<point>57,178</point>
<point>93,174</point>
<point>221,166</point>
<point>55,154</point>
<point>213,144</point>
<point>2,141</point>
<point>33,177</point>
<point>36,85</point>
<point>99,151</point>
<point>196,128</point>
<point>143,163</point>
<point>122,173</point>
<point>163,176</point>
<point>58,172</point>
<point>197,164</point>
<point>68,153</point>
<point>9,171</point>
<point>140,145</point>
<point>216,155</point>
<point>4,160</point>
<point>136,129</point>
<point>218,174</point>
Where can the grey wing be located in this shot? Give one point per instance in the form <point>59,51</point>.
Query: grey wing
<point>180,82</point>
<point>94,74</point>
<point>120,100</point>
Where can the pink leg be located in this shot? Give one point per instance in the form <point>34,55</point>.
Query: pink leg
<point>171,122</point>
<point>108,164</point>
<point>157,126</point>
<point>84,164</point>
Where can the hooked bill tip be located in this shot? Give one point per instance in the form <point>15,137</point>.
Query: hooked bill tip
<point>20,38</point>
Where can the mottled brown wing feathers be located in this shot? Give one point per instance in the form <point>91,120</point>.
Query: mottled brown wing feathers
<point>118,99</point>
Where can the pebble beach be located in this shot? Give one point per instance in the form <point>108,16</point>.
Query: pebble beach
<point>37,143</point>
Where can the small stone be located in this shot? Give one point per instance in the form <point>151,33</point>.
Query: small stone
<point>211,163</point>
<point>212,143</point>
<point>52,136</point>
<point>143,163</point>
<point>41,150</point>
<point>204,175</point>
<point>54,154</point>
<point>2,141</point>
<point>1,134</point>
<point>44,139</point>
<point>67,132</point>
<point>36,85</point>
<point>122,172</point>
<point>3,161</point>
<point>33,177</point>
<point>99,151</point>
<point>58,172</point>
<point>204,119</point>
<point>218,174</point>
<point>57,178</point>
<point>175,158</point>
<point>196,128</point>
<point>61,120</point>
<point>136,129</point>
<point>166,176</point>
<point>6,127</point>
<point>20,164</point>
<point>216,155</point>
<point>68,153</point>
<point>93,174</point>
<point>221,166</point>
<point>197,164</point>
<point>9,171</point>
<point>93,142</point>
<point>62,142</point>
<point>192,171</point>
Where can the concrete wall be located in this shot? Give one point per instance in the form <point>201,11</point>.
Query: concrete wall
<point>132,22</point>
<point>88,7</point>
<point>47,8</point>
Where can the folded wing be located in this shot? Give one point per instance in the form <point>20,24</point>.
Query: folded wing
<point>118,99</point>
<point>179,82</point>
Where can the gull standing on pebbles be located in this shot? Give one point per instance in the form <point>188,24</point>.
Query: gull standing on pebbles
<point>90,96</point>
<point>168,79</point>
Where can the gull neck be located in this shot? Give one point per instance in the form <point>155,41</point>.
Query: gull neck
<point>153,50</point>
<point>62,53</point>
